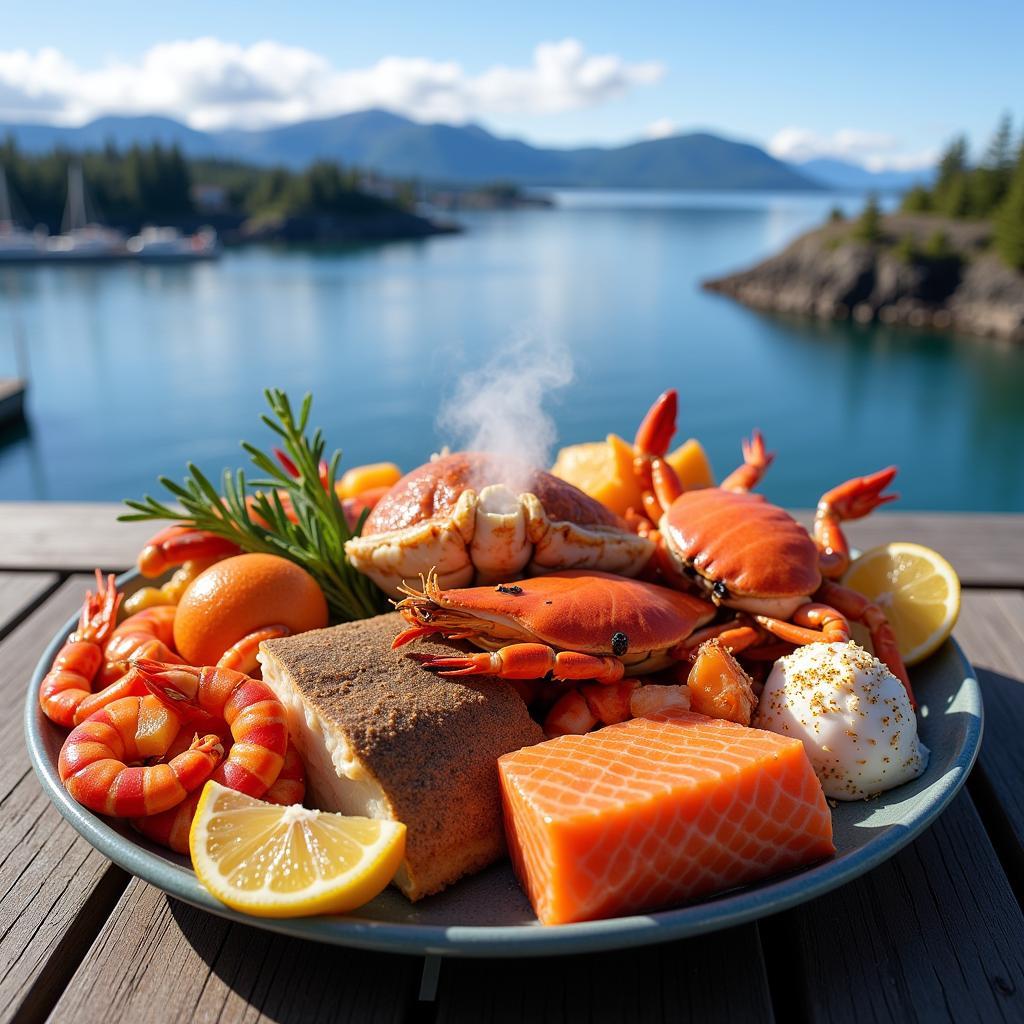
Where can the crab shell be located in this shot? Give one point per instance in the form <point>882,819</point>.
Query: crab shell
<point>476,518</point>
<point>757,551</point>
<point>572,610</point>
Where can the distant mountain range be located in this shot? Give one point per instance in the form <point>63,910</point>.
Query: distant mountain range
<point>840,174</point>
<point>394,146</point>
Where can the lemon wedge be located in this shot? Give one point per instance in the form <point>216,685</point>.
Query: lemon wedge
<point>275,861</point>
<point>918,590</point>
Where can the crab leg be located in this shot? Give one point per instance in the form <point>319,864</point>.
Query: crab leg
<point>857,607</point>
<point>529,661</point>
<point>665,482</point>
<point>735,636</point>
<point>811,624</point>
<point>756,459</point>
<point>851,500</point>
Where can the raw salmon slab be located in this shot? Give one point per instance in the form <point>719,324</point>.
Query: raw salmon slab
<point>657,811</point>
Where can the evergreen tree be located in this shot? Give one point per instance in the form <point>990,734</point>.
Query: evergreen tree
<point>869,223</point>
<point>917,200</point>
<point>951,172</point>
<point>1008,237</point>
<point>991,178</point>
<point>955,199</point>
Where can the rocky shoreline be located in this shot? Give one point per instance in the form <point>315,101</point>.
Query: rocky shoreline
<point>905,277</point>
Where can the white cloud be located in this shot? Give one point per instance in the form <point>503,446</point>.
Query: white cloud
<point>209,83</point>
<point>876,151</point>
<point>663,128</point>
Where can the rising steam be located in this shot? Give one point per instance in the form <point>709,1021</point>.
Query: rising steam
<point>500,407</point>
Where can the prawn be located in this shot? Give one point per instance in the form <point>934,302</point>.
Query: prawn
<point>96,766</point>
<point>70,679</point>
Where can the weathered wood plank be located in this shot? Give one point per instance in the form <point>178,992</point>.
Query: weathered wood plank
<point>68,536</point>
<point>18,592</point>
<point>934,934</point>
<point>55,889</point>
<point>161,959</point>
<point>719,977</point>
<point>991,630</point>
<point>986,550</point>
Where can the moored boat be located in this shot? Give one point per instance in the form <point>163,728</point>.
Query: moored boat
<point>169,245</point>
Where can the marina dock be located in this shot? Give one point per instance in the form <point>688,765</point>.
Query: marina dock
<point>12,401</point>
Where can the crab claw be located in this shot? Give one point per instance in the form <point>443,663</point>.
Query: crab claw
<point>177,544</point>
<point>859,496</point>
<point>655,432</point>
<point>754,452</point>
<point>467,665</point>
<point>756,460</point>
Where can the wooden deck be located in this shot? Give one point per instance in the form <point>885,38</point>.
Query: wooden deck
<point>935,934</point>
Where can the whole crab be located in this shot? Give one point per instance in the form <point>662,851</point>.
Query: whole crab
<point>477,518</point>
<point>746,554</point>
<point>573,626</point>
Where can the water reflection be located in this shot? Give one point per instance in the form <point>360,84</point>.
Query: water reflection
<point>136,369</point>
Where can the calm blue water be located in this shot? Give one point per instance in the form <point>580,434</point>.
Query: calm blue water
<point>136,370</point>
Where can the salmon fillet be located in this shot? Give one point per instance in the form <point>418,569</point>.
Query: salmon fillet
<point>657,811</point>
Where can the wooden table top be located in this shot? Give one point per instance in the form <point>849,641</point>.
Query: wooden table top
<point>936,933</point>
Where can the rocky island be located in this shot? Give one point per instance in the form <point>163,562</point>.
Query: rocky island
<point>952,259</point>
<point>921,270</point>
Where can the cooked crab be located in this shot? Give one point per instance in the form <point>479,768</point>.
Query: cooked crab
<point>477,518</point>
<point>571,626</point>
<point>744,553</point>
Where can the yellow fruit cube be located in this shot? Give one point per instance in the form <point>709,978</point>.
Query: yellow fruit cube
<point>692,465</point>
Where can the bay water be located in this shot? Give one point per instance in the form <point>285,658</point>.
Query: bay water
<point>136,370</point>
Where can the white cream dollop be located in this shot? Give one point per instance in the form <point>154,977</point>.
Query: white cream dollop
<point>852,714</point>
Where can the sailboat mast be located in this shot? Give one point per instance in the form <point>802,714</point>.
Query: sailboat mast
<point>74,212</point>
<point>6,217</point>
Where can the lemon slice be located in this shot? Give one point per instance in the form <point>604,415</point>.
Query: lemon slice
<point>275,861</point>
<point>918,590</point>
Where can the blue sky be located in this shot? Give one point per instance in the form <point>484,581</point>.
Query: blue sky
<point>886,83</point>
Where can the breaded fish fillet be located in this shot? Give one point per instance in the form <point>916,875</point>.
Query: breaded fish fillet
<point>385,738</point>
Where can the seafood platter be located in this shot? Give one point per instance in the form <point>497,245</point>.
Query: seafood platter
<point>483,708</point>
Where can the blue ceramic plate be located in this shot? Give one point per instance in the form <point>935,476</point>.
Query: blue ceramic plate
<point>488,915</point>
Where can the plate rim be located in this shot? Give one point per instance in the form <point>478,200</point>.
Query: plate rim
<point>713,914</point>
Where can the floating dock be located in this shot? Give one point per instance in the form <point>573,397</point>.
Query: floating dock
<point>12,401</point>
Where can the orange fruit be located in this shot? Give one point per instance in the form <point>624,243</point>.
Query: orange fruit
<point>358,479</point>
<point>238,595</point>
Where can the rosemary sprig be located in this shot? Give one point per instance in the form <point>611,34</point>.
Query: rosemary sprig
<point>313,536</point>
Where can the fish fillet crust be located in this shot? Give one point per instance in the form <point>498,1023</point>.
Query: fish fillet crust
<point>385,738</point>
<point>657,811</point>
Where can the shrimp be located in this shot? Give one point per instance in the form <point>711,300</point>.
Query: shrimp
<point>146,634</point>
<point>247,706</point>
<point>242,656</point>
<point>94,761</point>
<point>70,679</point>
<point>171,828</point>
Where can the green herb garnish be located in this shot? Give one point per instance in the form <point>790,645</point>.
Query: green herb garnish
<point>315,540</point>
